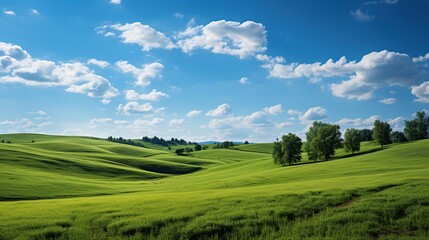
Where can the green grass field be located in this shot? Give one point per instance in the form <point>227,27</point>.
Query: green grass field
<point>85,188</point>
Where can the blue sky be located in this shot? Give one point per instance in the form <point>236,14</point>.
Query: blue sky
<point>199,70</point>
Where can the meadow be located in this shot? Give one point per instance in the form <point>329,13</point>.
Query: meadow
<point>56,187</point>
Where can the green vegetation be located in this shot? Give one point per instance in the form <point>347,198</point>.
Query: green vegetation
<point>418,127</point>
<point>288,150</point>
<point>51,190</point>
<point>352,140</point>
<point>382,132</point>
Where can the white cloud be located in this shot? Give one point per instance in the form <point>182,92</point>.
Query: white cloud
<point>9,12</point>
<point>120,122</point>
<point>100,120</point>
<point>273,110</point>
<point>362,16</point>
<point>421,58</point>
<point>146,123</point>
<point>35,12</point>
<point>24,125</point>
<point>388,100</point>
<point>179,15</point>
<point>17,66</point>
<point>314,114</point>
<point>135,107</point>
<point>421,92</point>
<point>254,120</point>
<point>359,122</point>
<point>225,37</point>
<point>284,124</point>
<point>99,63</point>
<point>176,122</point>
<point>116,2</point>
<point>373,71</point>
<point>136,33</point>
<point>40,113</point>
<point>221,110</point>
<point>244,80</point>
<point>154,95</point>
<point>294,112</point>
<point>397,124</point>
<point>193,113</point>
<point>143,75</point>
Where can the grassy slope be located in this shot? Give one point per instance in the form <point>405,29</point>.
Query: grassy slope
<point>55,166</point>
<point>238,195</point>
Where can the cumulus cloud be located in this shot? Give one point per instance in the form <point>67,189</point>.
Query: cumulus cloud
<point>135,107</point>
<point>100,120</point>
<point>225,37</point>
<point>274,110</point>
<point>388,100</point>
<point>193,113</point>
<point>421,92</point>
<point>154,95</point>
<point>373,71</point>
<point>99,63</point>
<point>294,112</point>
<point>314,114</point>
<point>136,33</point>
<point>221,110</point>
<point>9,12</point>
<point>284,125</point>
<point>176,122</point>
<point>143,75</point>
<point>359,122</point>
<point>256,119</point>
<point>17,66</point>
<point>116,2</point>
<point>421,58</point>
<point>179,15</point>
<point>40,113</point>
<point>35,12</point>
<point>146,123</point>
<point>244,80</point>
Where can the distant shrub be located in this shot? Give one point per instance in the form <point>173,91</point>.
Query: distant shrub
<point>2,141</point>
<point>8,142</point>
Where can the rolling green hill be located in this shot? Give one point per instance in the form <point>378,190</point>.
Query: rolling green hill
<point>211,194</point>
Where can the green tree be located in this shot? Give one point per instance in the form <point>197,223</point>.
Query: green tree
<point>398,137</point>
<point>198,147</point>
<point>418,127</point>
<point>180,151</point>
<point>322,140</point>
<point>381,132</point>
<point>312,133</point>
<point>352,139</point>
<point>288,150</point>
<point>246,142</point>
<point>366,134</point>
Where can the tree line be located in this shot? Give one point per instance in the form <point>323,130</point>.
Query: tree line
<point>322,139</point>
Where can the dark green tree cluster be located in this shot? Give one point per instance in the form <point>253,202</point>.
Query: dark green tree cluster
<point>352,139</point>
<point>182,151</point>
<point>418,127</point>
<point>397,137</point>
<point>124,141</point>
<point>288,150</point>
<point>322,140</point>
<point>225,144</point>
<point>365,134</point>
<point>381,133</point>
